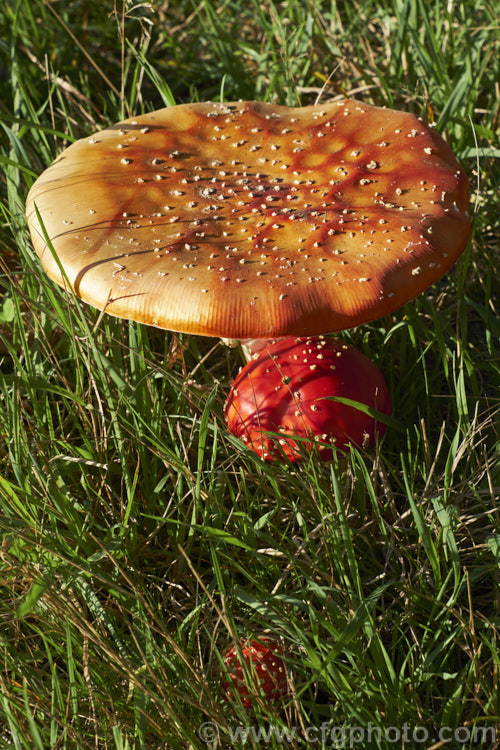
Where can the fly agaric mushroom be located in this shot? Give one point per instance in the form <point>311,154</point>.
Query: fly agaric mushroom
<point>289,388</point>
<point>263,665</point>
<point>251,220</point>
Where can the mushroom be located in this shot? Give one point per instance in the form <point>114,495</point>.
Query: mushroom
<point>285,398</point>
<point>256,667</point>
<point>251,220</point>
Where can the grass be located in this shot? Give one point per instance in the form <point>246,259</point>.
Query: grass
<point>139,538</point>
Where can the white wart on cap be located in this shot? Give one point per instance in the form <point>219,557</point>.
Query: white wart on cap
<point>249,220</point>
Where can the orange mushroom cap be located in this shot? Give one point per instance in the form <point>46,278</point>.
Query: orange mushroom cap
<point>250,220</point>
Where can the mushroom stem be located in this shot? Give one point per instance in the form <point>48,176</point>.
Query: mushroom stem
<point>249,347</point>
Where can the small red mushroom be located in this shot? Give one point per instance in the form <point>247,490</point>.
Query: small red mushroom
<point>289,387</point>
<point>263,665</point>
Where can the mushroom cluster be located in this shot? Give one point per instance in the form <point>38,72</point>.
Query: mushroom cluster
<point>251,220</point>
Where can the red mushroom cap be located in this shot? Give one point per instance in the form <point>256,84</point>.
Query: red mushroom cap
<point>288,388</point>
<point>250,220</point>
<point>263,663</point>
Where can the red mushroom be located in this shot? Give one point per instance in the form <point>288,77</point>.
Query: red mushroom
<point>288,390</point>
<point>264,671</point>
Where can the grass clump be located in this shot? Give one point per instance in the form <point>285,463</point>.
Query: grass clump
<point>138,538</point>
